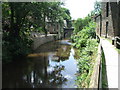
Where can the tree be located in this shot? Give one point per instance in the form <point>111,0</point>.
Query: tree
<point>67,17</point>
<point>97,7</point>
<point>81,23</point>
<point>18,17</point>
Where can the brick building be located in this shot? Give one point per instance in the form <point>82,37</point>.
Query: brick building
<point>108,22</point>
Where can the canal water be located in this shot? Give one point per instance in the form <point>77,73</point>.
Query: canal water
<point>52,65</point>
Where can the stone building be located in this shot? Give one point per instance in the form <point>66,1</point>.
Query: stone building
<point>56,28</point>
<point>53,28</point>
<point>108,22</point>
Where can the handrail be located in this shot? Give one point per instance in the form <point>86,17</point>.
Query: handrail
<point>117,39</point>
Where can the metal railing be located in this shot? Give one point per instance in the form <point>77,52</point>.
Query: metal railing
<point>117,42</point>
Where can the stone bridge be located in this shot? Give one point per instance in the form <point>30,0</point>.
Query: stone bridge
<point>68,32</point>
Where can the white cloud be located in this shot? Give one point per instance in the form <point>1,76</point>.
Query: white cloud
<point>79,8</point>
<point>68,77</point>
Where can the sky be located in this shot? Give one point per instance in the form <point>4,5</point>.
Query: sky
<point>79,8</point>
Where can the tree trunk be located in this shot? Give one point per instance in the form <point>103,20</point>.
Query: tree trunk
<point>15,28</point>
<point>12,18</point>
<point>45,30</point>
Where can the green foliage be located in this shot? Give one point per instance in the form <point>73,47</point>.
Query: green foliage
<point>85,63</point>
<point>97,7</point>
<point>85,41</point>
<point>82,36</point>
<point>81,23</point>
<point>19,17</point>
<point>15,48</point>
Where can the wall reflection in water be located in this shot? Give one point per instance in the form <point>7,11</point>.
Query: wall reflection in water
<point>42,69</point>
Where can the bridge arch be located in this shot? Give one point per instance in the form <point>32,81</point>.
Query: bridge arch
<point>68,32</point>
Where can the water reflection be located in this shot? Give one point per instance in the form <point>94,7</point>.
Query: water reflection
<point>52,65</point>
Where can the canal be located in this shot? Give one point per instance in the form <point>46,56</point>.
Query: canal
<point>52,65</point>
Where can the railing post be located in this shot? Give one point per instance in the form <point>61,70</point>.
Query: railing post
<point>113,40</point>
<point>117,42</point>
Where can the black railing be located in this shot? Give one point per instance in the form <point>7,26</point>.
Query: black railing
<point>117,42</point>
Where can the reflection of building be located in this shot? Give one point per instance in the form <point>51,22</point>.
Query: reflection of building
<point>63,53</point>
<point>108,22</point>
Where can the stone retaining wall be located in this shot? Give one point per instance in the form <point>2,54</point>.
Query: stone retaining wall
<point>37,41</point>
<point>94,83</point>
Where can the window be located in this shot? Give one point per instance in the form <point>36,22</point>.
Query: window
<point>107,9</point>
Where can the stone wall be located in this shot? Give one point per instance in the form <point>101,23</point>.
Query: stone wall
<point>114,15</point>
<point>108,25</point>
<point>119,18</point>
<point>37,41</point>
<point>98,27</point>
<point>95,77</point>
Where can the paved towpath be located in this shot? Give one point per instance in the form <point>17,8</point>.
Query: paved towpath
<point>111,56</point>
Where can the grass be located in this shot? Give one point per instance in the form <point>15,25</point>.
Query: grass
<point>104,74</point>
<point>118,50</point>
<point>107,39</point>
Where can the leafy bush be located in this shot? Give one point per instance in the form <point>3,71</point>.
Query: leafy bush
<point>81,23</point>
<point>85,41</point>
<point>82,36</point>
<point>87,56</point>
<point>14,48</point>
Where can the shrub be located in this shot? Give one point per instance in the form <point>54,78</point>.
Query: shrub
<point>85,41</point>
<point>81,23</point>
<point>80,39</point>
<point>14,48</point>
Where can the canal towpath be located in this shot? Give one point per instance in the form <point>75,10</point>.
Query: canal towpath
<point>111,57</point>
